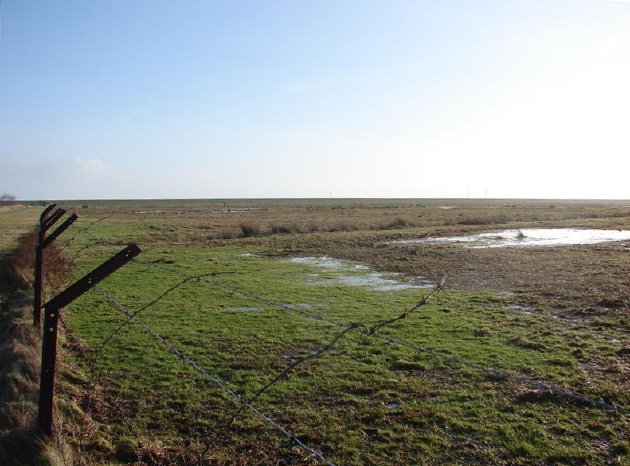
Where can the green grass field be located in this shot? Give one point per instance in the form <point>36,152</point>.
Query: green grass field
<point>366,400</point>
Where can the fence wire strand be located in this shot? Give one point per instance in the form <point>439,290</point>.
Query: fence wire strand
<point>347,328</point>
<point>222,385</point>
<point>83,230</point>
<point>293,365</point>
<point>394,341</point>
<point>357,328</point>
<point>372,332</point>
<point>418,305</point>
<point>134,314</point>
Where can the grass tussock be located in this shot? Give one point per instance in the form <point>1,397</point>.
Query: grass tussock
<point>249,230</point>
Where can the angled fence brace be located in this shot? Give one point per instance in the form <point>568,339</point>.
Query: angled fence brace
<point>45,213</point>
<point>54,217</point>
<point>38,279</point>
<point>38,282</point>
<point>51,319</point>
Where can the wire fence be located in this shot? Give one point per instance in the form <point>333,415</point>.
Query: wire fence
<point>221,384</point>
<point>372,332</point>
<point>343,331</point>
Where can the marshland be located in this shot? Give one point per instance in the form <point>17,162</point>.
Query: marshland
<point>261,294</point>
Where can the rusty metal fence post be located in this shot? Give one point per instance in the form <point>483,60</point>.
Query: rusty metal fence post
<point>38,284</point>
<point>51,319</point>
<point>38,278</point>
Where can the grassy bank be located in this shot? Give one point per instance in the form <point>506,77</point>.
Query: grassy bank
<point>21,442</point>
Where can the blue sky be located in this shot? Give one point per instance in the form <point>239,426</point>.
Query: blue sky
<point>119,99</point>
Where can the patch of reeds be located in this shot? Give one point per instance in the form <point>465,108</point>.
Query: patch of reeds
<point>396,224</point>
<point>250,230</point>
<point>490,220</point>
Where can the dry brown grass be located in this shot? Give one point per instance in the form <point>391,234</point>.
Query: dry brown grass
<point>22,260</point>
<point>78,439</point>
<point>21,442</point>
<point>195,221</point>
<point>10,207</point>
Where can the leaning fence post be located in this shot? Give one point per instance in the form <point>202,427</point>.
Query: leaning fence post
<point>51,319</point>
<point>38,285</point>
<point>54,217</point>
<point>45,213</point>
<point>38,278</point>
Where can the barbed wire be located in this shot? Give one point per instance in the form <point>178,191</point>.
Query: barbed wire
<point>221,384</point>
<point>372,332</point>
<point>60,250</point>
<point>134,314</point>
<point>67,243</point>
<point>218,382</point>
<point>57,252</point>
<point>292,366</point>
<point>346,329</point>
<point>77,254</point>
<point>418,305</point>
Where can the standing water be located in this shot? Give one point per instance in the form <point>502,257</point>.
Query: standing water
<point>528,237</point>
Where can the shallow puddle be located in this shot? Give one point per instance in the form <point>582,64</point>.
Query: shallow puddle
<point>528,237</point>
<point>244,309</point>
<point>303,305</point>
<point>343,272</point>
<point>329,263</point>
<point>518,309</point>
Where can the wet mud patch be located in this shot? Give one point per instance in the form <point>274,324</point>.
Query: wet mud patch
<point>584,281</point>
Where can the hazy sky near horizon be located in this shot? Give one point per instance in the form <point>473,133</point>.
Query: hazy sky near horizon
<point>341,98</point>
